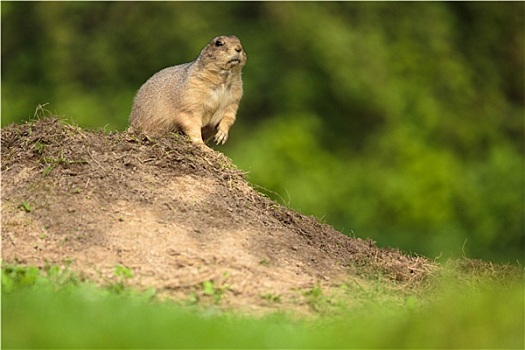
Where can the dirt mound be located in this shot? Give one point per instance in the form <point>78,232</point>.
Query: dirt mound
<point>182,218</point>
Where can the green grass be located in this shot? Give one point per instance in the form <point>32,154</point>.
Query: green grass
<point>56,310</point>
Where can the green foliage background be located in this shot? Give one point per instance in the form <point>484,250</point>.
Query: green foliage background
<point>403,122</point>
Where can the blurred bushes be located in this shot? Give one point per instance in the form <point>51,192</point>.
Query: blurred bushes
<point>399,121</point>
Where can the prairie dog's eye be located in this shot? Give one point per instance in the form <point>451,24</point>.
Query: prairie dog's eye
<point>219,43</point>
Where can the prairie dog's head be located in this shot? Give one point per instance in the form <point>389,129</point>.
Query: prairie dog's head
<point>224,53</point>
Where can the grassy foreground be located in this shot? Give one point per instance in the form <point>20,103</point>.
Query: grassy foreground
<point>55,310</point>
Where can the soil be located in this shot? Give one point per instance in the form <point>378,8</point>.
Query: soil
<point>177,215</point>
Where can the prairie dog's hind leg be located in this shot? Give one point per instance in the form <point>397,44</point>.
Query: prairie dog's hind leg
<point>192,129</point>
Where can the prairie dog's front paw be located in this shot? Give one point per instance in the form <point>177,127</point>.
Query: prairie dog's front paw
<point>221,137</point>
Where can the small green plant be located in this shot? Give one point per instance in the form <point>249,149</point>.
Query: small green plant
<point>216,291</point>
<point>39,147</point>
<point>315,298</point>
<point>208,288</point>
<point>41,111</point>
<point>54,162</point>
<point>26,207</point>
<point>314,292</point>
<point>122,274</point>
<point>271,297</point>
<point>47,170</point>
<point>264,262</point>
<point>15,277</point>
<point>62,160</point>
<point>61,276</point>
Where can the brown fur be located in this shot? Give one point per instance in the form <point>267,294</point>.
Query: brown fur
<point>199,98</point>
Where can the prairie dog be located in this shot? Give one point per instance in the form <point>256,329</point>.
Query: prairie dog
<point>199,98</point>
